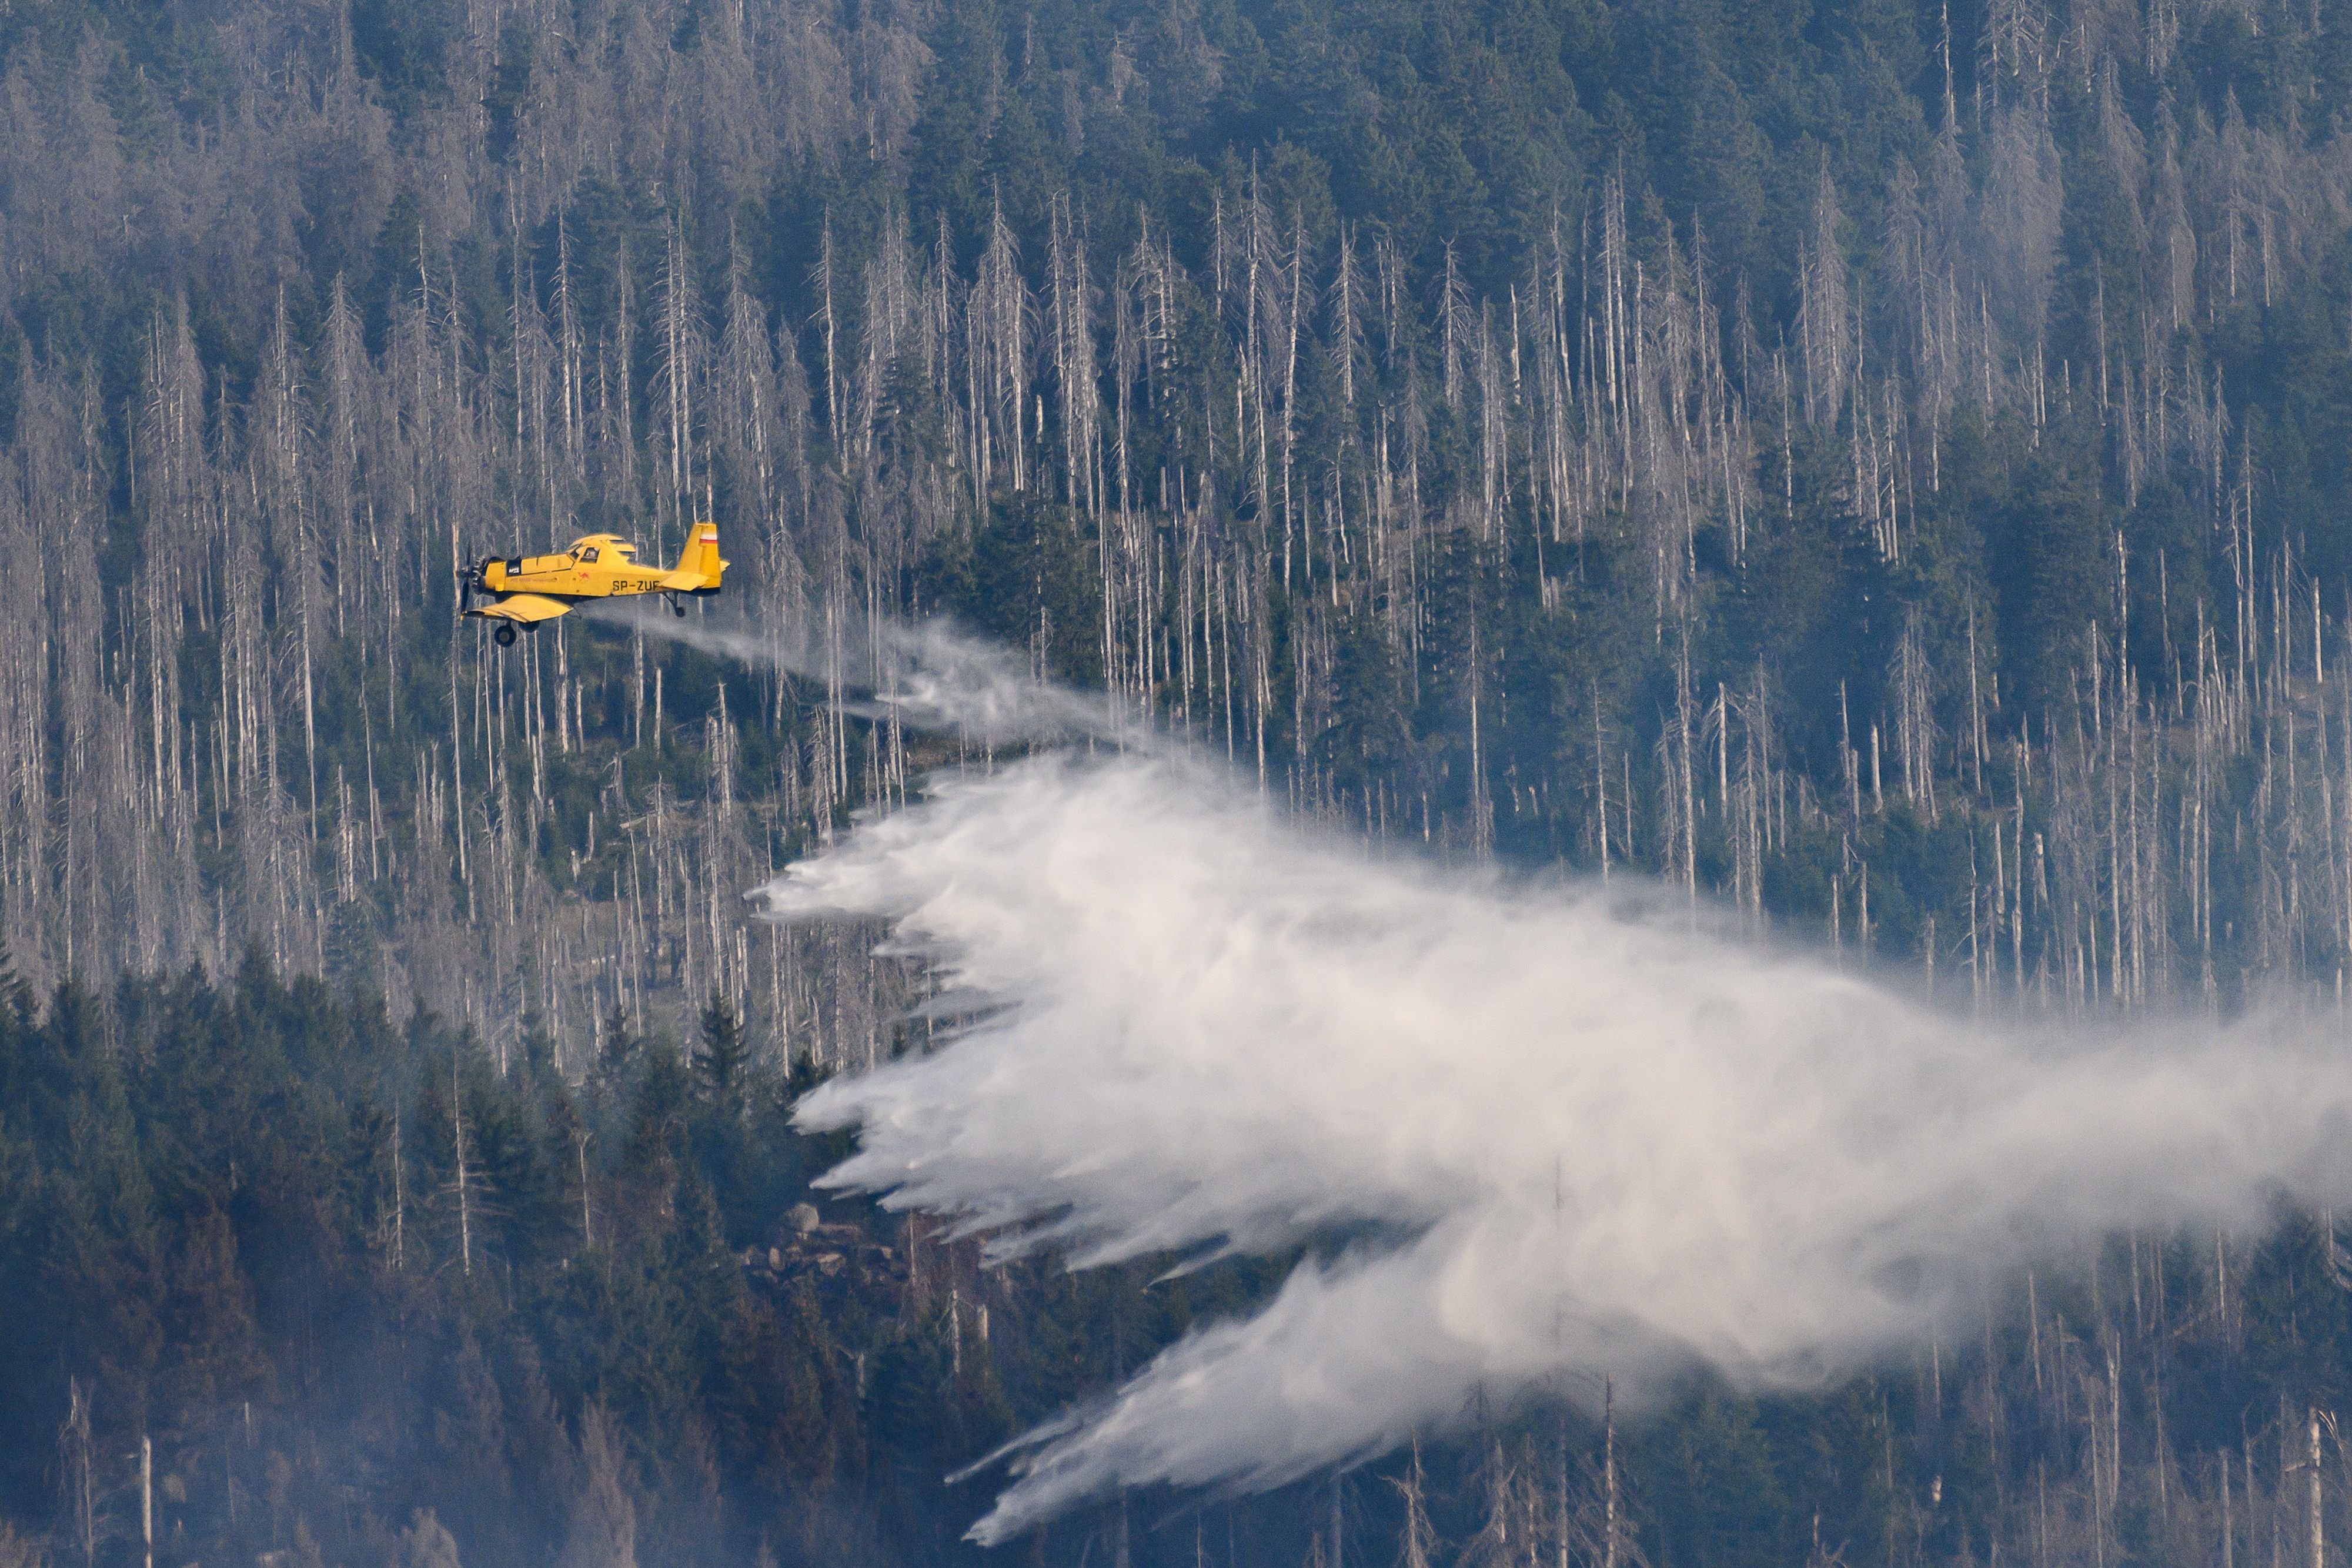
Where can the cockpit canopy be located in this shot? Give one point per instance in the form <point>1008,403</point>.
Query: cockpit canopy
<point>588,550</point>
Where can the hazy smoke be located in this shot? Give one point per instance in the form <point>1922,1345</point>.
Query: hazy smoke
<point>1570,1135</point>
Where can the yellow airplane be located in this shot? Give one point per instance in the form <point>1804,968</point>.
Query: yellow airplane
<point>527,589</point>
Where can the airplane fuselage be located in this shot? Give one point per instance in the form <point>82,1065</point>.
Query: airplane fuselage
<point>598,567</point>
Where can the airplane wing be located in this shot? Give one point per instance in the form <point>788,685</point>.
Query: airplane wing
<point>523,606</point>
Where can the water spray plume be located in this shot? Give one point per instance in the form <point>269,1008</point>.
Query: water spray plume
<point>1569,1134</point>
<point>932,677</point>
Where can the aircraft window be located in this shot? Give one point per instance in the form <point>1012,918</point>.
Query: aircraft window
<point>588,556</point>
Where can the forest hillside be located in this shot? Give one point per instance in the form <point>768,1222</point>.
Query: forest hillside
<point>1875,468</point>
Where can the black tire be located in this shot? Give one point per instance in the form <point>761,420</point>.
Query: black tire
<point>505,634</point>
<point>677,607</point>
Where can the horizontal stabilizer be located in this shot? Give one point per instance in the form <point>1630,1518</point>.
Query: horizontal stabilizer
<point>699,567</point>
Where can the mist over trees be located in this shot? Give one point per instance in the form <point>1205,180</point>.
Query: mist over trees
<point>1879,466</point>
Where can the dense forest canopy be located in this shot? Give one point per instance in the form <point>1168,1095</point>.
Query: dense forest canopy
<point>1880,466</point>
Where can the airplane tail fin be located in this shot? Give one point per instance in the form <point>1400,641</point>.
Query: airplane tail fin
<point>698,557</point>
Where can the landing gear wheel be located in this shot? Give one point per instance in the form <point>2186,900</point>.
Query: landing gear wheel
<point>677,607</point>
<point>505,635</point>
